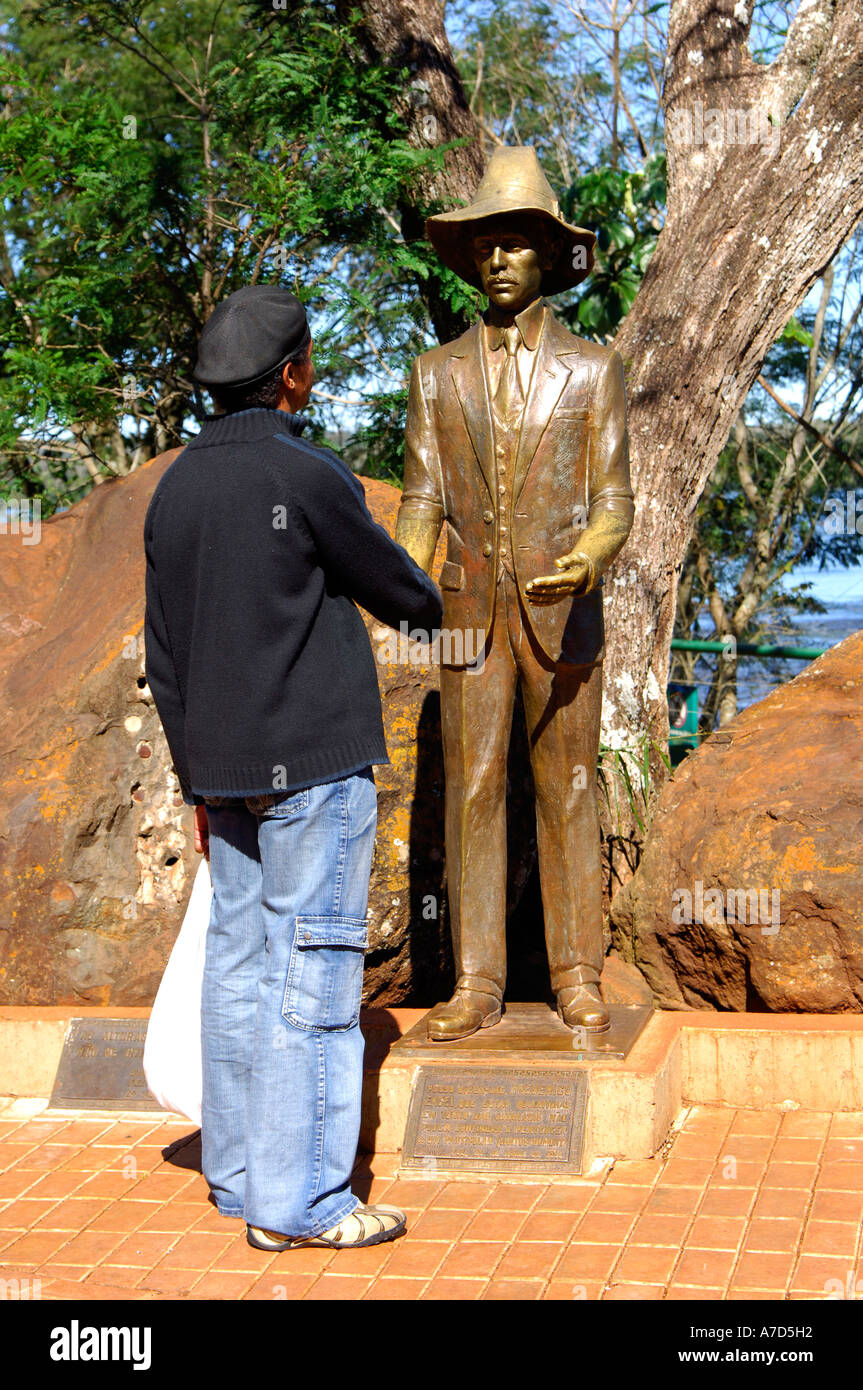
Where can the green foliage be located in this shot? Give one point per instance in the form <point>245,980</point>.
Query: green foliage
<point>179,152</point>
<point>794,332</point>
<point>246,161</point>
<point>89,281</point>
<point>624,209</point>
<point>626,779</point>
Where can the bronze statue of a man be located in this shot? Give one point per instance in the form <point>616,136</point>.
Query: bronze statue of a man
<point>516,438</point>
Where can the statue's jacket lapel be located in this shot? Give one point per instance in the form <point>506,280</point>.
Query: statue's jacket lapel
<point>550,489</point>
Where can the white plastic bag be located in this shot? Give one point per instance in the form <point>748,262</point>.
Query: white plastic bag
<point>172,1051</point>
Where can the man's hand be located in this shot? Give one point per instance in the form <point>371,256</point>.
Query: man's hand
<point>202,832</point>
<point>576,574</point>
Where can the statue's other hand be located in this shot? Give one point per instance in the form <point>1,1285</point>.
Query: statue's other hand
<point>419,538</point>
<point>575,575</point>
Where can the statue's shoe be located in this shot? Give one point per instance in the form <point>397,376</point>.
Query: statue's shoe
<point>583,1007</point>
<point>466,1013</point>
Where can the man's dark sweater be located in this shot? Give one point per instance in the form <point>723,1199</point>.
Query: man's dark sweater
<point>258,547</point>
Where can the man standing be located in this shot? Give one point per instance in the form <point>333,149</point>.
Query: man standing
<point>516,438</point>
<point>258,548</point>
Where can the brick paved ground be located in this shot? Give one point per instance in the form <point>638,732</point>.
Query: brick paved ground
<point>744,1204</point>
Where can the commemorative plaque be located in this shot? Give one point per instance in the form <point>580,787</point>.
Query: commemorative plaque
<point>505,1120</point>
<point>101,1066</point>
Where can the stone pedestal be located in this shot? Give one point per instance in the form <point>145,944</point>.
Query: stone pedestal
<point>518,1099</point>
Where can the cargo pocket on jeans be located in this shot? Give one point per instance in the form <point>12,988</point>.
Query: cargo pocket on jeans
<point>325,977</point>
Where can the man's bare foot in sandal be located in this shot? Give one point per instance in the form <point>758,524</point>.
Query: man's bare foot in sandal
<point>367,1225</point>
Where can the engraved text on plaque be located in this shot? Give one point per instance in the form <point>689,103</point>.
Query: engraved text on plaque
<point>496,1119</point>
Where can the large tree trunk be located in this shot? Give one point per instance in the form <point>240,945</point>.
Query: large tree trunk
<point>749,227</point>
<point>411,34</point>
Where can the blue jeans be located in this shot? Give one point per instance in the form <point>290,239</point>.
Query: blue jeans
<point>282,1049</point>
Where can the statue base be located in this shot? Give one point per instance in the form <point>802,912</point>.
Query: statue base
<point>526,1030</point>
<point>510,1100</point>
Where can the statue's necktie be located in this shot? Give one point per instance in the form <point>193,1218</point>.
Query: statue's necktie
<point>509,397</point>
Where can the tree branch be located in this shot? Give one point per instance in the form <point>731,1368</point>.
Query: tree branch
<point>788,77</point>
<point>812,429</point>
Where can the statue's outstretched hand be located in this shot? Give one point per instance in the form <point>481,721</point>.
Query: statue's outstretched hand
<point>576,574</point>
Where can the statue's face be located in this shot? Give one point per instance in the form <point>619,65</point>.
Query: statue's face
<point>508,254</point>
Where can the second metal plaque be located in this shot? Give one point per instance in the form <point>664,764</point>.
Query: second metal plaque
<point>484,1119</point>
<point>101,1066</point>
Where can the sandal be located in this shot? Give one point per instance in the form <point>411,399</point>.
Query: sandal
<point>366,1225</point>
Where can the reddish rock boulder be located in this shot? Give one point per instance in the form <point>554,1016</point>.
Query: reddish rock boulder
<point>94,855</point>
<point>749,894</point>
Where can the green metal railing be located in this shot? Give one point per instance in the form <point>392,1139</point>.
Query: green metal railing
<point>684,736</point>
<point>683,644</point>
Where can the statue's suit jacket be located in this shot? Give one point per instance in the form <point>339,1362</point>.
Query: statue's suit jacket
<point>572,464</point>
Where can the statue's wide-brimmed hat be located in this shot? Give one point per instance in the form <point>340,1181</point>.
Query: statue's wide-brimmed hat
<point>512,183</point>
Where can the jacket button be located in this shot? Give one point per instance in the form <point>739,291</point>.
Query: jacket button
<point>486,550</point>
<point>488,517</point>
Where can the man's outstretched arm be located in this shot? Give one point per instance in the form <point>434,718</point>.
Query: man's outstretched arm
<point>354,549</point>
